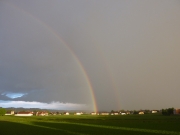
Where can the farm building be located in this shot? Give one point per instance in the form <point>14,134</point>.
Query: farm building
<point>42,114</point>
<point>52,113</point>
<point>176,111</point>
<point>123,113</point>
<point>141,112</point>
<point>154,111</point>
<point>9,113</point>
<point>93,113</point>
<point>66,113</point>
<point>77,113</point>
<point>115,113</point>
<point>24,114</point>
<point>104,113</point>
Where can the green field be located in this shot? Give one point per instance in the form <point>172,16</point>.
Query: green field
<point>90,125</point>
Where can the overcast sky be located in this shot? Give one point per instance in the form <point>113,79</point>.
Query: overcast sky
<point>65,54</point>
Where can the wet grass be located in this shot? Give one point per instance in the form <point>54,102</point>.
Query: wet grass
<point>90,125</point>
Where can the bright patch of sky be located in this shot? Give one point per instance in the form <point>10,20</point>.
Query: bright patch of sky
<point>52,105</point>
<point>13,95</point>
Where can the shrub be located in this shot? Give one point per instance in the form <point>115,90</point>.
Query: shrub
<point>2,111</point>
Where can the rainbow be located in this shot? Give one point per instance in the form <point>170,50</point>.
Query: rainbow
<point>50,29</point>
<point>110,75</point>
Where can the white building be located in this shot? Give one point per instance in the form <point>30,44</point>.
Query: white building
<point>24,114</point>
<point>77,113</point>
<point>66,113</point>
<point>141,112</point>
<point>154,111</point>
<point>115,113</point>
<point>9,113</point>
<point>93,113</point>
<point>104,113</point>
<point>42,114</point>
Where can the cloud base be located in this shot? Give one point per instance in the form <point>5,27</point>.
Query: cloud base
<point>52,105</point>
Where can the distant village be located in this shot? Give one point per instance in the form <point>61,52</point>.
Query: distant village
<point>121,112</point>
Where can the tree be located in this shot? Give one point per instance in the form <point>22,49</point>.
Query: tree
<point>112,111</point>
<point>168,111</point>
<point>135,112</point>
<point>2,111</point>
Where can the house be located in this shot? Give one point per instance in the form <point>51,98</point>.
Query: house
<point>115,113</point>
<point>66,113</point>
<point>176,111</point>
<point>141,112</point>
<point>154,111</point>
<point>93,113</point>
<point>52,113</point>
<point>58,113</point>
<point>104,113</point>
<point>77,113</point>
<point>42,113</point>
<point>24,114</point>
<point>123,113</point>
<point>9,113</point>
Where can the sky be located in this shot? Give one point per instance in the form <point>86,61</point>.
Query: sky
<point>90,55</point>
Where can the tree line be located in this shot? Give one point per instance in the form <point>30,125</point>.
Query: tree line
<point>168,111</point>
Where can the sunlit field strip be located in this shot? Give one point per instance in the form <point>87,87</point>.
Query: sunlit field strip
<point>59,129</point>
<point>84,124</point>
<point>127,129</point>
<point>108,127</point>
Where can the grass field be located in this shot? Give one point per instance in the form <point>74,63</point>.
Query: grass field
<point>90,125</point>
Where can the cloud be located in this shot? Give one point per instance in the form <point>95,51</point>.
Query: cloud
<point>52,105</point>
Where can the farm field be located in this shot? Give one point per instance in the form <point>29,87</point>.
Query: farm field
<point>90,125</point>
